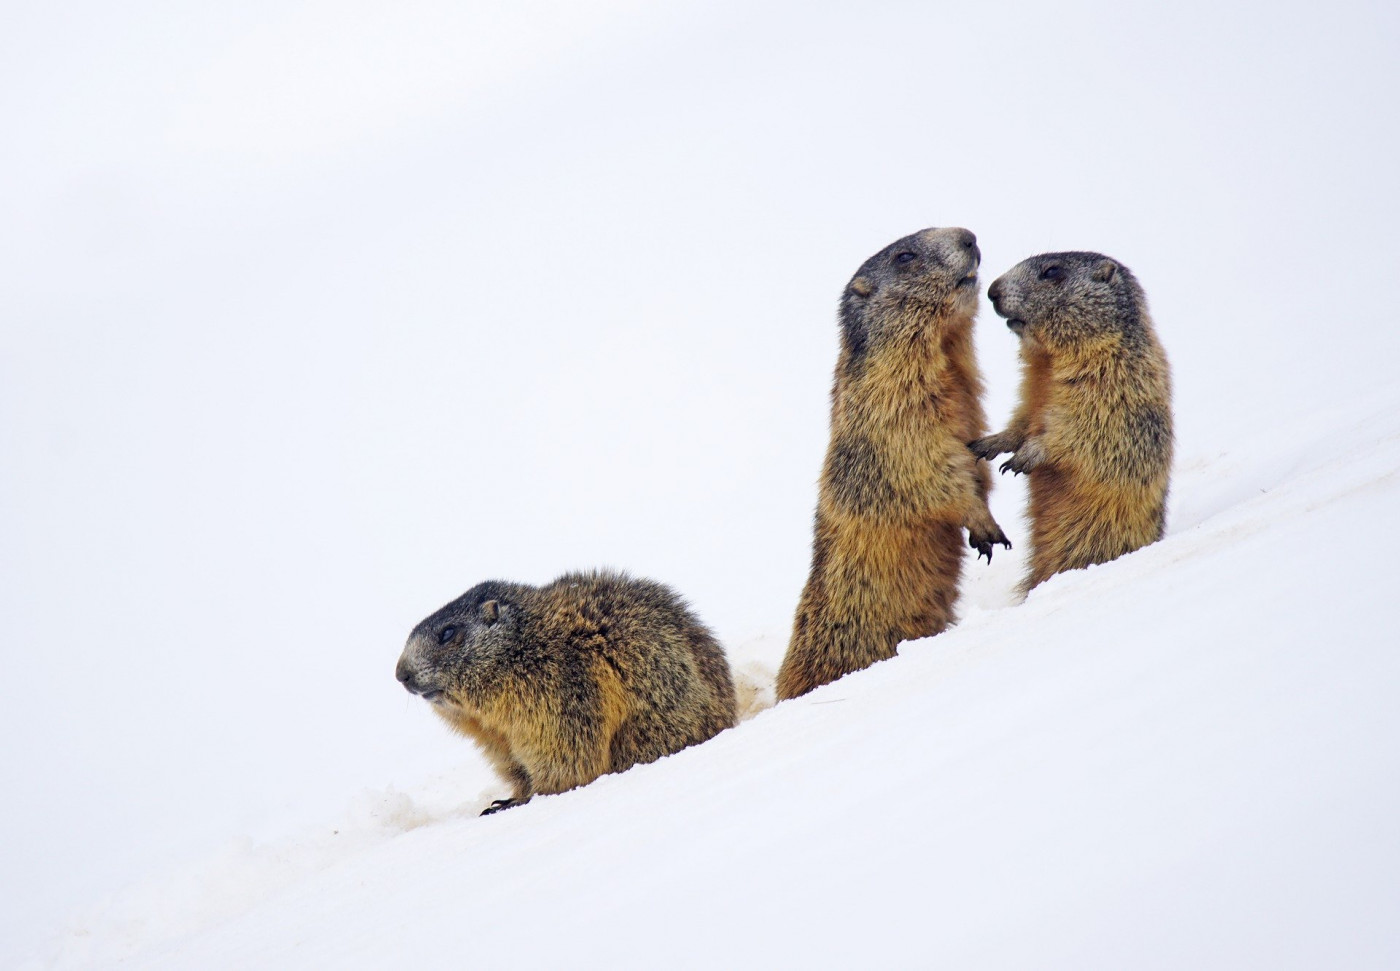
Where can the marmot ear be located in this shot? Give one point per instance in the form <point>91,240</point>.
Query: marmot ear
<point>862,287</point>
<point>490,611</point>
<point>1105,271</point>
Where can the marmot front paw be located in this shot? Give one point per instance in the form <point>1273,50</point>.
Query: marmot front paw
<point>990,446</point>
<point>1030,455</point>
<point>499,804</point>
<point>982,540</point>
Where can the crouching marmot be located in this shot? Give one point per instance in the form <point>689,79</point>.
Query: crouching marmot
<point>1094,423</point>
<point>559,684</point>
<point>899,484</point>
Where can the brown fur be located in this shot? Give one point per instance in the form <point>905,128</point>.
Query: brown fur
<point>1094,424</point>
<point>559,684</point>
<point>898,484</point>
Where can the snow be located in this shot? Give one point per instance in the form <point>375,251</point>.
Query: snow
<point>1083,780</point>
<point>318,314</point>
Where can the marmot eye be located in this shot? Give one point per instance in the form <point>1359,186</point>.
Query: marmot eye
<point>446,634</point>
<point>1050,273</point>
<point>905,257</point>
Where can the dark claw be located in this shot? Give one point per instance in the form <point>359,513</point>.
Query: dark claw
<point>1018,463</point>
<point>984,546</point>
<point>499,804</point>
<point>982,450</point>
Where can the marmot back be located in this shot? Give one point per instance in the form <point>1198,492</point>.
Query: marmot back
<point>1094,424</point>
<point>899,484</point>
<point>559,684</point>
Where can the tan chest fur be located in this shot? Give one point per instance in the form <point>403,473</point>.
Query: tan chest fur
<point>917,404</point>
<point>1101,489</point>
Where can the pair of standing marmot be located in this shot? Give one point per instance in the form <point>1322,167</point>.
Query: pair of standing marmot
<point>904,471</point>
<point>597,672</point>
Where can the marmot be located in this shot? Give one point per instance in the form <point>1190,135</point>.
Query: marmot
<point>1094,424</point>
<point>592,673</point>
<point>899,484</point>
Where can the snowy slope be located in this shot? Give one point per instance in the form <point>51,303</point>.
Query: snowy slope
<point>314,313</point>
<point>1186,758</point>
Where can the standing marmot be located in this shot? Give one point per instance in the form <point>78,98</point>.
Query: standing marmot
<point>899,484</point>
<point>1094,425</point>
<point>559,684</point>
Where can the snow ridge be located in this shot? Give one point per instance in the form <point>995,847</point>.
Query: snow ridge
<point>1172,760</point>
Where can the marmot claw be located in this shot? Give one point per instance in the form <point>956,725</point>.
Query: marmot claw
<point>983,543</point>
<point>985,448</point>
<point>498,804</point>
<point>1024,459</point>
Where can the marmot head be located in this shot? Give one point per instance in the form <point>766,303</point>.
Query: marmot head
<point>459,644</point>
<point>1063,298</point>
<point>934,270</point>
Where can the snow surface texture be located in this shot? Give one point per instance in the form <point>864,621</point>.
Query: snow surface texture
<point>317,314</point>
<point>1087,780</point>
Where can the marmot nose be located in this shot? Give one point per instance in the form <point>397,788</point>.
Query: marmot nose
<point>994,291</point>
<point>968,242</point>
<point>405,673</point>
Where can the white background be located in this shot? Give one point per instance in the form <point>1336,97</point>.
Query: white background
<point>313,315</point>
